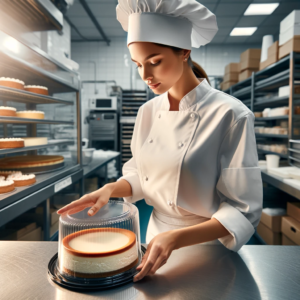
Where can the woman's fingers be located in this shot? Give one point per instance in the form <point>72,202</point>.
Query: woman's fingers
<point>94,209</point>
<point>162,259</point>
<point>85,200</point>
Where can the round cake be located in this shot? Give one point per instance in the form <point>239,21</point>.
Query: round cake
<point>35,141</point>
<point>19,162</point>
<point>31,114</point>
<point>6,186</point>
<point>12,83</point>
<point>38,89</point>
<point>11,143</point>
<point>22,180</point>
<point>7,111</point>
<point>99,252</point>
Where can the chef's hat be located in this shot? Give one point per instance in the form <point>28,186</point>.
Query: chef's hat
<point>179,23</point>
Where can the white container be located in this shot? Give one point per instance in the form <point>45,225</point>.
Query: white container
<point>288,34</point>
<point>272,161</point>
<point>292,19</point>
<point>284,91</point>
<point>87,155</point>
<point>266,43</point>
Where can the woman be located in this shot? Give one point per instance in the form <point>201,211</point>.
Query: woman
<point>194,150</point>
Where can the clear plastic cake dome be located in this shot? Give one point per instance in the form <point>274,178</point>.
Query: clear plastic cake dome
<point>93,249</point>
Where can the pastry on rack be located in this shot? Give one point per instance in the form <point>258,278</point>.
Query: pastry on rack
<point>38,89</point>
<point>6,186</point>
<point>11,143</point>
<point>35,141</point>
<point>99,252</point>
<point>22,180</point>
<point>32,163</point>
<point>12,83</point>
<point>7,173</point>
<point>31,114</point>
<point>7,111</point>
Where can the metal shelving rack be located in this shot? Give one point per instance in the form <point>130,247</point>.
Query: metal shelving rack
<point>26,62</point>
<point>131,101</point>
<point>253,93</point>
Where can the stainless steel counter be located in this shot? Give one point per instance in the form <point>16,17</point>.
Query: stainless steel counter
<point>196,272</point>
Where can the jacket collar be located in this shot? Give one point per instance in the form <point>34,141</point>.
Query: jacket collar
<point>191,98</point>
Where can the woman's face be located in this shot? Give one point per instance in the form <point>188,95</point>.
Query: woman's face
<point>165,67</point>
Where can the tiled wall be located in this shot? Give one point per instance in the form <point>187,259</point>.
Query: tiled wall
<point>113,63</point>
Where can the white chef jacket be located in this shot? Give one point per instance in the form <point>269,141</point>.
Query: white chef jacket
<point>200,160</point>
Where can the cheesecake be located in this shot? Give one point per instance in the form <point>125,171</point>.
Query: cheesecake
<point>12,83</point>
<point>98,252</point>
<point>37,89</point>
<point>22,180</point>
<point>6,143</point>
<point>31,114</point>
<point>7,111</point>
<point>6,186</point>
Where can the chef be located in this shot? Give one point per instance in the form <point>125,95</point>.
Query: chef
<point>193,147</point>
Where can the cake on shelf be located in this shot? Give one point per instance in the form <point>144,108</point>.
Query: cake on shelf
<point>38,89</point>
<point>35,141</point>
<point>31,163</point>
<point>12,83</point>
<point>22,180</point>
<point>31,114</point>
<point>99,252</point>
<point>7,111</point>
<point>11,143</point>
<point>7,173</point>
<point>6,186</point>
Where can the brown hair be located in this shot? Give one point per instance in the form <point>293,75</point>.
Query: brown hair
<point>197,69</point>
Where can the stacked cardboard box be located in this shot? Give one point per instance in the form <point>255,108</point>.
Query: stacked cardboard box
<point>272,56</point>
<point>21,231</point>
<point>290,226</point>
<point>249,62</point>
<point>231,75</point>
<point>289,37</point>
<point>269,228</point>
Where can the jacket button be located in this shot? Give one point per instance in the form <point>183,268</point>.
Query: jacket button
<point>146,178</point>
<point>192,116</point>
<point>159,115</point>
<point>169,203</point>
<point>180,144</point>
<point>150,141</point>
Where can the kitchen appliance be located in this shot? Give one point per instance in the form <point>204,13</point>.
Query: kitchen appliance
<point>105,103</point>
<point>91,248</point>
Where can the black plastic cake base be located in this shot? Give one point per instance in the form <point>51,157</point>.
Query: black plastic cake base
<point>86,285</point>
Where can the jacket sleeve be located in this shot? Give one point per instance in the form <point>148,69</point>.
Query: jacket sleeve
<point>239,185</point>
<point>130,169</point>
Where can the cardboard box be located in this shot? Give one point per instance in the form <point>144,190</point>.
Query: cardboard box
<point>245,74</point>
<point>231,77</point>
<point>269,236</point>
<point>269,61</point>
<point>251,64</point>
<point>272,222</point>
<point>273,49</point>
<point>286,241</point>
<point>232,68</point>
<point>290,20</point>
<point>291,45</point>
<point>16,230</point>
<point>291,228</point>
<point>293,210</point>
<point>228,84</point>
<point>250,54</point>
<point>34,235</point>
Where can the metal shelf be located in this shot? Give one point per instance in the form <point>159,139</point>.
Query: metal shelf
<point>41,190</point>
<point>274,81</point>
<point>272,102</point>
<point>22,96</point>
<point>242,92</point>
<point>261,151</point>
<point>16,120</point>
<point>281,136</point>
<point>51,143</point>
<point>273,118</point>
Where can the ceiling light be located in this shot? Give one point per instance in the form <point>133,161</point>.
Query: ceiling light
<point>261,9</point>
<point>242,31</point>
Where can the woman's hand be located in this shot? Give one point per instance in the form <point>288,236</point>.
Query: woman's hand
<point>157,254</point>
<point>95,199</point>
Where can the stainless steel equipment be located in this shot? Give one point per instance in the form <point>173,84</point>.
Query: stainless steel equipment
<point>103,129</point>
<point>106,103</point>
